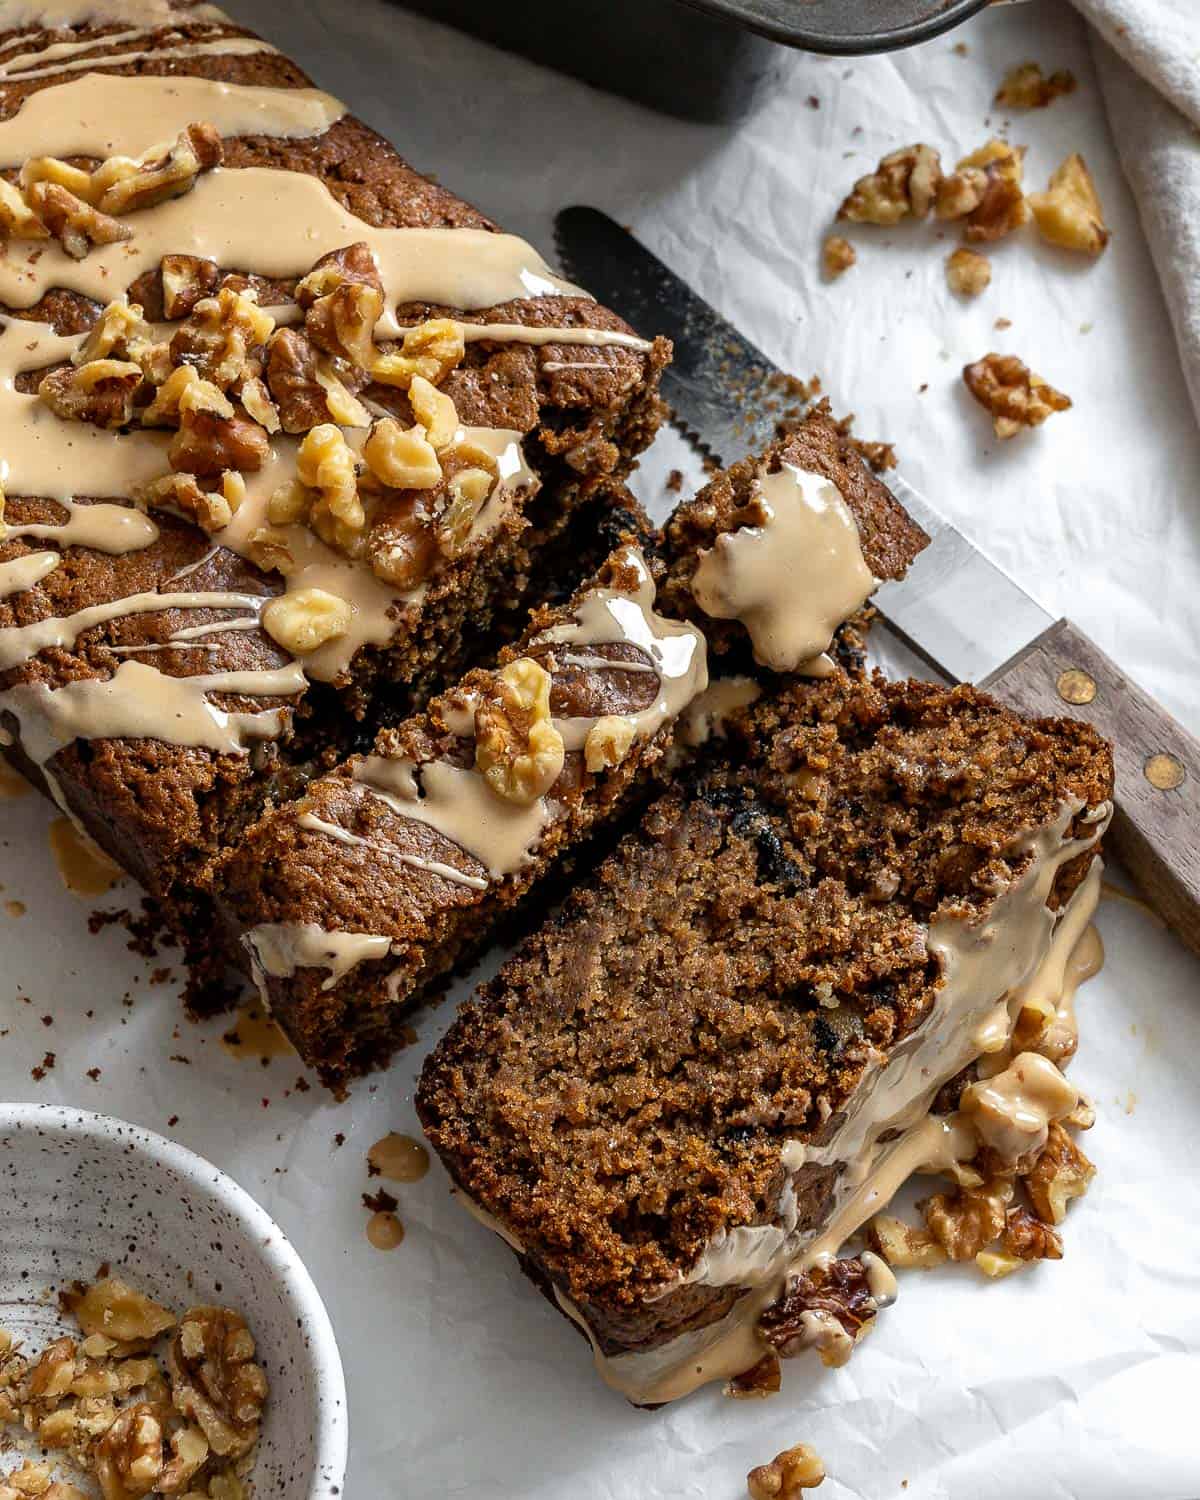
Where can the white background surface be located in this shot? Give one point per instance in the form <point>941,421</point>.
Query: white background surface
<point>1073,1380</point>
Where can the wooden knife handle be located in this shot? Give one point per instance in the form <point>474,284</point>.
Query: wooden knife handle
<point>1156,828</point>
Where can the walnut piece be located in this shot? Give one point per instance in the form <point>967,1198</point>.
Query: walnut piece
<point>608,742</point>
<point>115,1310</point>
<point>837,256</point>
<point>1061,1172</point>
<point>184,391</point>
<point>326,462</point>
<point>1028,1238</point>
<point>292,379</point>
<point>1001,207</point>
<point>517,747</point>
<point>827,1308</point>
<point>120,331</point>
<point>209,444</point>
<point>343,322</point>
<point>352,264</point>
<point>467,492</point>
<point>434,411</point>
<point>403,541</point>
<point>186,279</point>
<point>403,458</point>
<point>904,1245</point>
<point>758,1382</point>
<point>211,510</point>
<point>431,349</point>
<point>129,1456</point>
<point>1014,395</point>
<point>256,399</point>
<point>1027,87</point>
<point>966,1221</point>
<point>960,192</point>
<point>967,272</point>
<point>903,185</point>
<point>17,220</point>
<point>787,1475</point>
<point>75,224</point>
<point>1068,213</point>
<point>100,392</point>
<point>268,549</point>
<point>220,333</point>
<point>125,184</point>
<point>215,1381</point>
<point>306,619</point>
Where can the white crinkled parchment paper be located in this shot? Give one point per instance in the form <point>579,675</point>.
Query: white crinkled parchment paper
<point>1074,1380</point>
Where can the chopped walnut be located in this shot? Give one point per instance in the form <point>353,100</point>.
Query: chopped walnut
<point>33,1479</point>
<point>292,379</point>
<point>129,1456</point>
<point>904,1245</point>
<point>827,1308</point>
<point>326,462</point>
<point>76,180</point>
<point>100,392</point>
<point>256,399</point>
<point>1068,213</point>
<point>208,444</point>
<point>467,492</point>
<point>837,256</point>
<point>1061,1172</point>
<point>608,742</point>
<point>186,280</point>
<point>119,326</point>
<point>997,1263</point>
<point>787,1475</point>
<point>403,542</point>
<point>1002,206</point>
<point>960,192</point>
<point>215,1381</point>
<point>517,747</point>
<point>352,264</point>
<point>435,412</point>
<point>210,510</point>
<point>903,185</point>
<point>184,391</point>
<point>126,184</point>
<point>113,1309</point>
<point>1014,395</point>
<point>17,220</point>
<point>1028,1238</point>
<point>402,458</point>
<point>189,1451</point>
<point>1027,87</point>
<point>431,350</point>
<point>967,1220</point>
<point>343,406</point>
<point>343,322</point>
<point>219,334</point>
<point>306,619</point>
<point>967,272</point>
<point>268,549</point>
<point>76,224</point>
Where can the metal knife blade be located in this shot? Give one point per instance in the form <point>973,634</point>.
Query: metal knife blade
<point>958,610</point>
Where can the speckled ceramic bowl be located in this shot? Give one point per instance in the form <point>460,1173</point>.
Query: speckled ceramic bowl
<point>78,1189</point>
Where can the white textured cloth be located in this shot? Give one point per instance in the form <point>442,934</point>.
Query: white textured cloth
<point>1148,60</point>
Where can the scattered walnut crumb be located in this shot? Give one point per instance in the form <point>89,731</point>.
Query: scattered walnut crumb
<point>380,1202</point>
<point>904,184</point>
<point>1014,395</point>
<point>44,1067</point>
<point>675,481</point>
<point>1027,87</point>
<point>1068,213</point>
<point>1002,324</point>
<point>967,272</point>
<point>787,1475</point>
<point>837,256</point>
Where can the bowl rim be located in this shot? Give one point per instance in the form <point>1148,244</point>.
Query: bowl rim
<point>270,1243</point>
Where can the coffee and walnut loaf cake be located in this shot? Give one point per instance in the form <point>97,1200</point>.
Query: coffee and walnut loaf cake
<point>679,1099</point>
<point>289,431</point>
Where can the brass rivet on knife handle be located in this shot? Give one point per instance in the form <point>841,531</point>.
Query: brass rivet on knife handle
<point>1075,686</point>
<point>1164,772</point>
<point>1156,828</point>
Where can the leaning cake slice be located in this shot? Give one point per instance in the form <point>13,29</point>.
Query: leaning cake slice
<point>681,1097</point>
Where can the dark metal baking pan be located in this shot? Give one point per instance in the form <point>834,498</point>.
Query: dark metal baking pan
<point>698,59</point>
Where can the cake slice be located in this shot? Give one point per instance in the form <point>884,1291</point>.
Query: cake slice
<point>681,1097</point>
<point>354,901</point>
<point>289,431</point>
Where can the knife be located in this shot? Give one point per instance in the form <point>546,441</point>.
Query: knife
<point>958,610</point>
